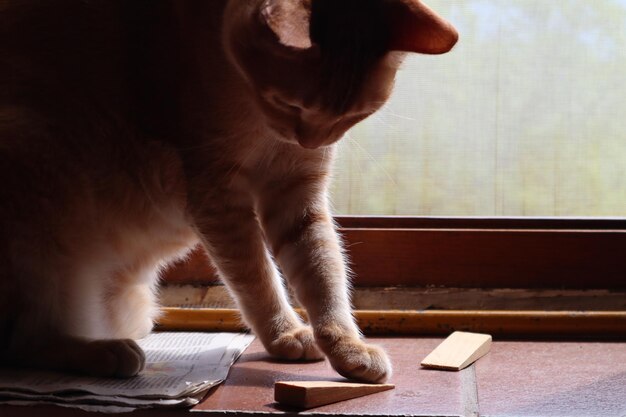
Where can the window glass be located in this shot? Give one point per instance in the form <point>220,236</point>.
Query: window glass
<point>525,117</point>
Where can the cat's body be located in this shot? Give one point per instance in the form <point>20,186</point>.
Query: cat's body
<point>131,131</point>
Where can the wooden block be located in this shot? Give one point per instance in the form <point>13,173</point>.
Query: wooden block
<point>309,394</point>
<point>458,351</point>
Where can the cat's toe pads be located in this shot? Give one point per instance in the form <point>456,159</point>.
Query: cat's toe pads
<point>352,357</point>
<point>298,344</point>
<point>357,360</point>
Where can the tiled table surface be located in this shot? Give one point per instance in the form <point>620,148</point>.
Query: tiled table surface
<point>553,379</point>
<point>515,379</point>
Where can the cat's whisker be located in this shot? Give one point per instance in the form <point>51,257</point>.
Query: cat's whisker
<point>349,245</point>
<point>238,165</point>
<point>399,116</point>
<point>379,118</point>
<point>270,151</point>
<point>374,161</point>
<point>323,158</point>
<point>202,146</point>
<point>388,109</point>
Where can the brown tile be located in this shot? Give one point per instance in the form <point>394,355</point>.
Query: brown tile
<point>418,392</point>
<point>553,379</point>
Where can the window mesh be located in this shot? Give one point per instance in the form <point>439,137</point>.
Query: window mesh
<point>525,117</point>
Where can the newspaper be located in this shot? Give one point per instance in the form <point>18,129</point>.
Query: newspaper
<point>180,369</point>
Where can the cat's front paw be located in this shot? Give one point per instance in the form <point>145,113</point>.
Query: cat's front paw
<point>296,344</point>
<point>353,358</point>
<point>120,358</point>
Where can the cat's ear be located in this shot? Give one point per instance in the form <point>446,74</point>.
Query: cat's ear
<point>417,28</point>
<point>289,20</point>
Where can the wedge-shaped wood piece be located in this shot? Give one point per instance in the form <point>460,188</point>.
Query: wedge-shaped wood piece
<point>458,351</point>
<point>309,394</point>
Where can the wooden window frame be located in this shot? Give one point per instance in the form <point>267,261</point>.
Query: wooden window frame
<point>470,253</point>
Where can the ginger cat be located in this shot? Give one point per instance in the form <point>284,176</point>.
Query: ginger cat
<point>130,131</point>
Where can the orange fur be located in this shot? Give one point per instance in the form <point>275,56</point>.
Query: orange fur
<point>132,130</point>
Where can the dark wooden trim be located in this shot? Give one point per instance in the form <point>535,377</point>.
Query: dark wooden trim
<point>195,269</point>
<point>405,222</point>
<point>471,253</point>
<point>488,258</point>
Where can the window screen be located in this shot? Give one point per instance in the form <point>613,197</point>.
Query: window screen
<point>525,117</point>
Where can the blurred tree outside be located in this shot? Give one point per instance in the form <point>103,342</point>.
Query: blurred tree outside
<point>525,117</point>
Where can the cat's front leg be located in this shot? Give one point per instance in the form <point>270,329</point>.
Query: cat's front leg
<point>305,243</point>
<point>234,242</point>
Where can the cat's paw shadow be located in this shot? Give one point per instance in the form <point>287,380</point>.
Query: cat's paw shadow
<point>253,375</point>
<point>282,361</point>
<point>266,357</point>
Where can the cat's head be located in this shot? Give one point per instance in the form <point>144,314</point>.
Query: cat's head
<point>317,67</point>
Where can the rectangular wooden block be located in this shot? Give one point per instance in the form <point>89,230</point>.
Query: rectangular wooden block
<point>458,351</point>
<point>309,394</point>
